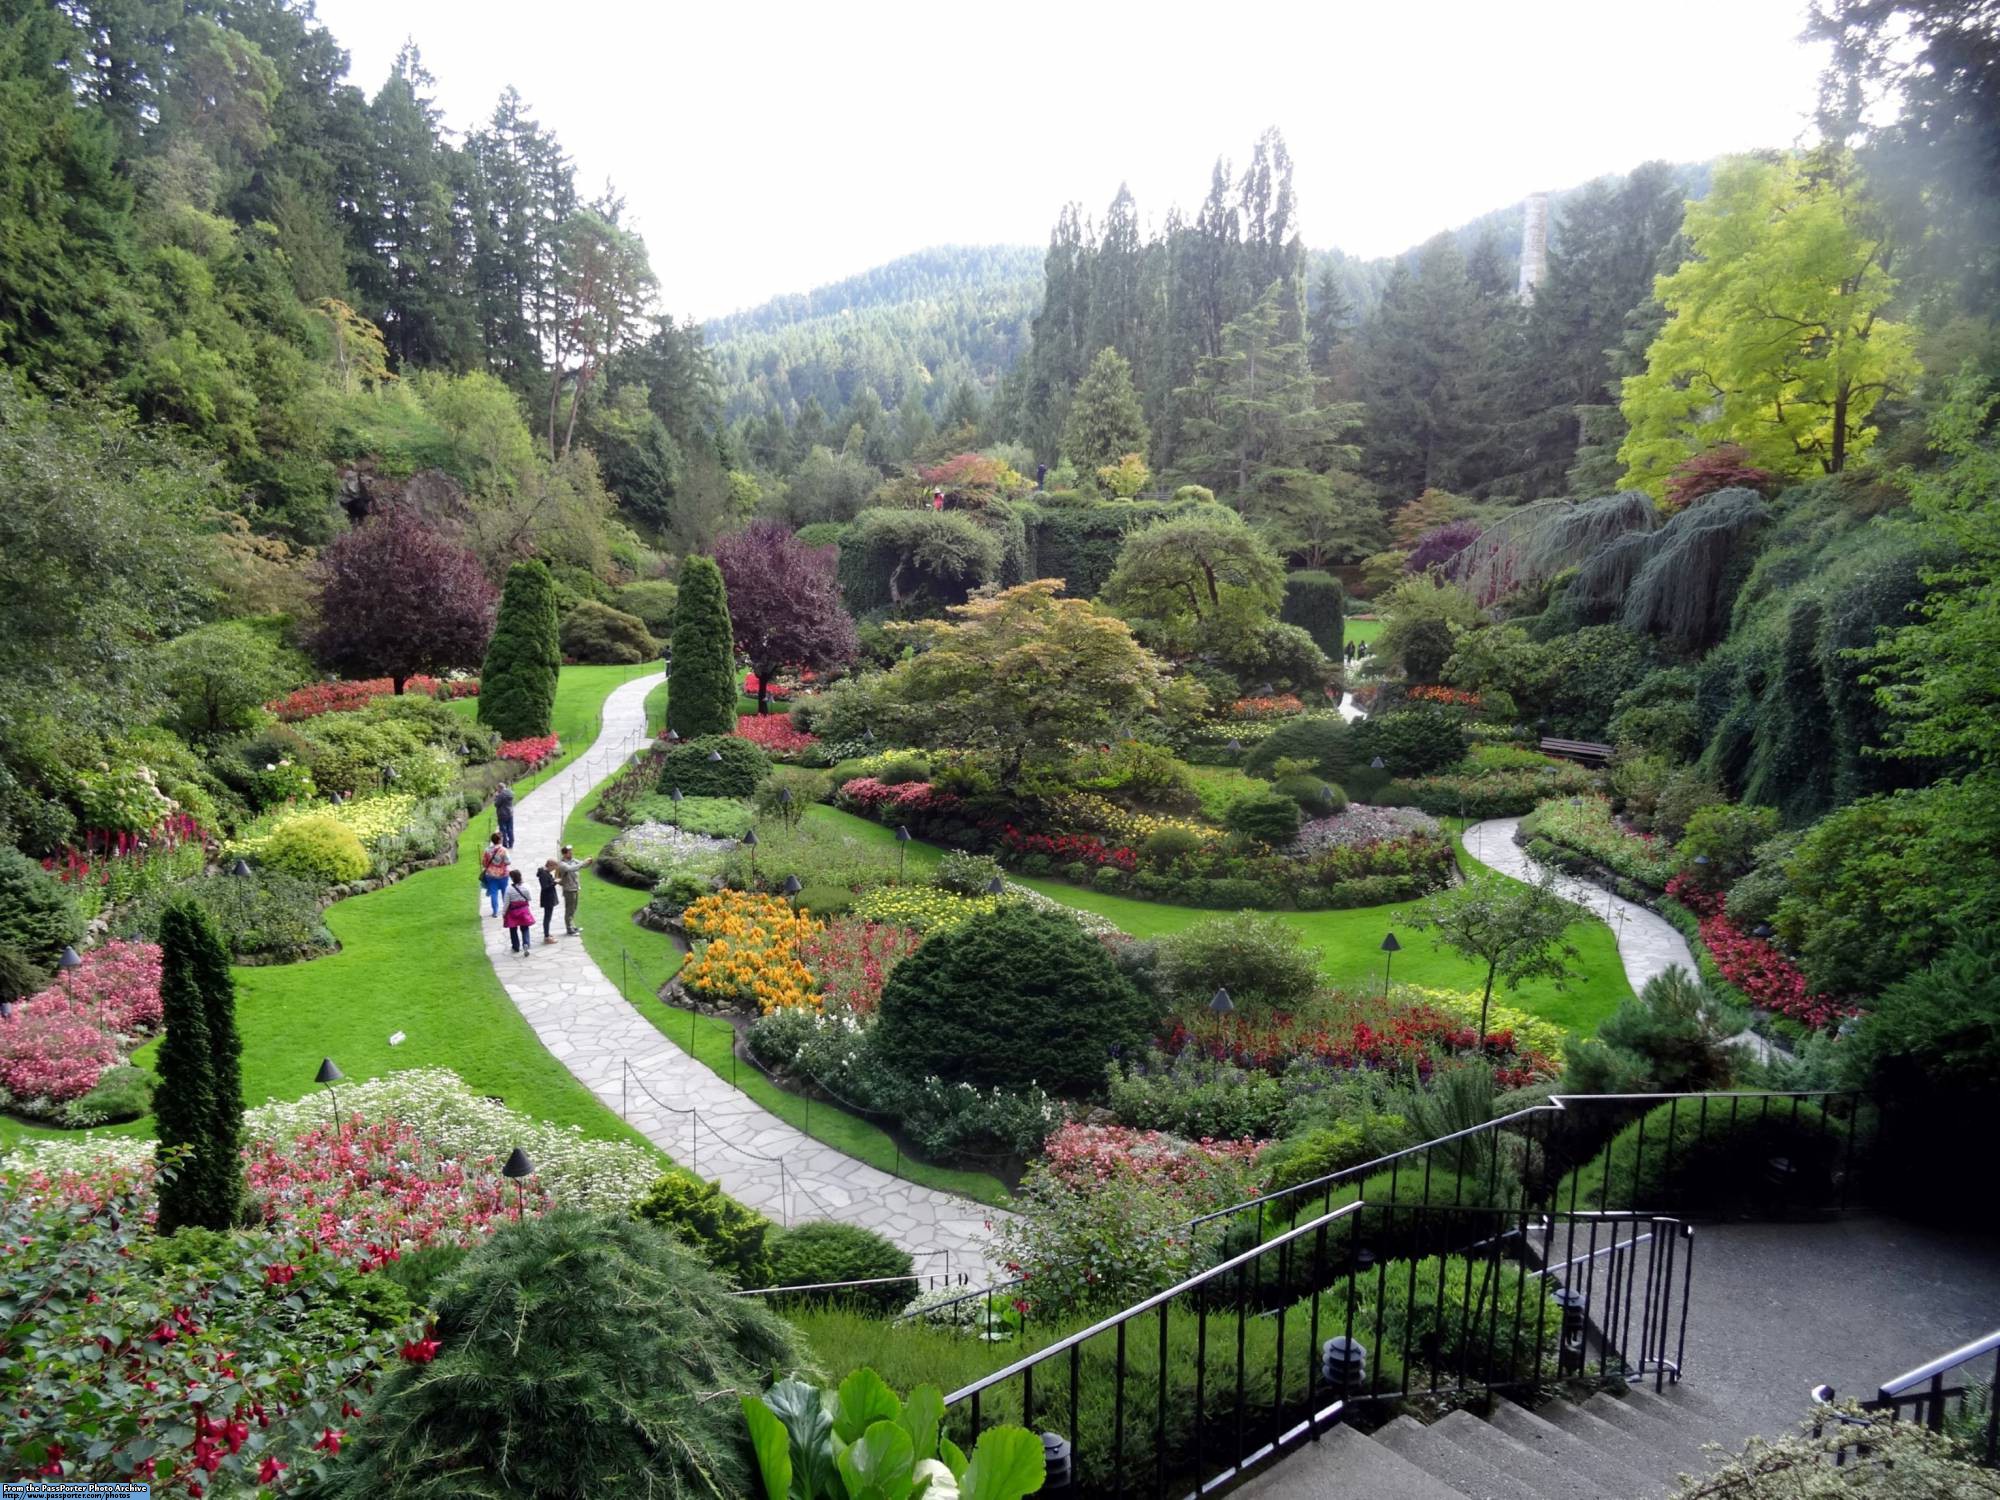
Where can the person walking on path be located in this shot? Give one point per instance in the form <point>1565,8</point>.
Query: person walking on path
<point>503,810</point>
<point>570,868</point>
<point>493,864</point>
<point>547,876</point>
<point>520,917</point>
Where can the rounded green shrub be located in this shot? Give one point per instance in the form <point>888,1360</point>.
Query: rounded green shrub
<point>36,915</point>
<point>1323,741</point>
<point>901,770</point>
<point>1165,845</point>
<point>730,1237</point>
<point>517,684</point>
<point>1260,960</point>
<point>966,874</point>
<point>120,1094</point>
<point>1315,602</point>
<point>1316,798</point>
<point>1013,996</point>
<point>736,774</point>
<point>1412,741</point>
<point>1326,1149</point>
<point>1267,817</point>
<point>605,1338</point>
<point>600,635</point>
<point>1727,836</point>
<point>319,848</point>
<point>821,1252</point>
<point>269,915</point>
<point>826,900</point>
<point>679,891</point>
<point>652,601</point>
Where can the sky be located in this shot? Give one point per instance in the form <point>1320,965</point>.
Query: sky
<point>776,147</point>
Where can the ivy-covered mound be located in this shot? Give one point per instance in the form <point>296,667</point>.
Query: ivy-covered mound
<point>1014,996</point>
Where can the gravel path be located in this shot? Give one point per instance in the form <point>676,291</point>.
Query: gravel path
<point>681,1106</point>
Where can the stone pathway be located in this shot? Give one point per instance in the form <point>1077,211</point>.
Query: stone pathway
<point>675,1102</point>
<point>1648,944</point>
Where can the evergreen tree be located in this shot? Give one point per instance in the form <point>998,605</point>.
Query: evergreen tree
<point>517,685</point>
<point>1105,422</point>
<point>198,1108</point>
<point>1327,324</point>
<point>701,696</point>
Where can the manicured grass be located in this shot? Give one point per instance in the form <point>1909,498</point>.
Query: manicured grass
<point>1219,786</point>
<point>639,960</point>
<point>412,961</point>
<point>1351,941</point>
<point>1364,631</point>
<point>656,709</point>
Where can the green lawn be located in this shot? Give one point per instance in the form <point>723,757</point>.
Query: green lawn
<point>412,961</point>
<point>1351,941</point>
<point>1364,631</point>
<point>640,960</point>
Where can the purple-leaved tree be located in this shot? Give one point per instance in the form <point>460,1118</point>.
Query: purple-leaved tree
<point>398,597</point>
<point>784,603</point>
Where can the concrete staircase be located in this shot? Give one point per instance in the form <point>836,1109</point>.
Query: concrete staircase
<point>1629,1447</point>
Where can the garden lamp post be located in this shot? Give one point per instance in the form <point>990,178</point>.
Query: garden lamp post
<point>1390,948</point>
<point>518,1167</point>
<point>676,795</point>
<point>1220,1005</point>
<point>328,1075</point>
<point>1235,746</point>
<point>70,959</point>
<point>241,869</point>
<point>785,805</point>
<point>750,843</point>
<point>996,887</point>
<point>792,887</point>
<point>714,757</point>
<point>902,847</point>
<point>1376,764</point>
<point>867,735</point>
<point>673,736</point>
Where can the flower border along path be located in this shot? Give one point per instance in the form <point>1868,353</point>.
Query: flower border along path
<point>678,1103</point>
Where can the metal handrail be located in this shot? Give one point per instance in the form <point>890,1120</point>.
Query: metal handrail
<point>1902,1384</point>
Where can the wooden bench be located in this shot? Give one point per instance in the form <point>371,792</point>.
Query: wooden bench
<point>1582,750</point>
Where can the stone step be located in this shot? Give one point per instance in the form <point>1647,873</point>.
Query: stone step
<point>1608,1468</point>
<point>1347,1465</point>
<point>1547,1477</point>
<point>1467,1471</point>
<point>1640,1454</point>
<point>1700,1415</point>
<point>1679,1442</point>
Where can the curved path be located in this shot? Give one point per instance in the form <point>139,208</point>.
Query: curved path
<point>674,1101</point>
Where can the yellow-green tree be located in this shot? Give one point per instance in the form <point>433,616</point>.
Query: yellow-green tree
<point>1776,336</point>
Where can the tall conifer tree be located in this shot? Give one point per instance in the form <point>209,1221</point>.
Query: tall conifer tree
<point>198,1109</point>
<point>701,697</point>
<point>517,686</point>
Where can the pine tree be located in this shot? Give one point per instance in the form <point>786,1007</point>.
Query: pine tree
<point>1105,422</point>
<point>701,697</point>
<point>198,1108</point>
<point>517,686</point>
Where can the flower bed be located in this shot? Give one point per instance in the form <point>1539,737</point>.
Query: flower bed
<point>1445,696</point>
<point>1584,825</point>
<point>338,697</point>
<point>1278,706</point>
<point>1753,965</point>
<point>1084,1156</point>
<point>59,1042</point>
<point>773,733</point>
<point>1361,825</point>
<point>922,908</point>
<point>1504,794</point>
<point>532,753</point>
<point>851,958</point>
<point>1412,1038</point>
<point>1528,1033</point>
<point>749,953</point>
<point>865,794</point>
<point>1067,848</point>
<point>112,867</point>
<point>777,689</point>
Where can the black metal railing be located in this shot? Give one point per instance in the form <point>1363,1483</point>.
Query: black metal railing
<point>1945,1394</point>
<point>1207,1380</point>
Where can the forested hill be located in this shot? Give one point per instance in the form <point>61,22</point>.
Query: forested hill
<point>920,327</point>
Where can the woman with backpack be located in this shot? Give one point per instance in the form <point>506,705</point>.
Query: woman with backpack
<point>493,864</point>
<point>520,917</point>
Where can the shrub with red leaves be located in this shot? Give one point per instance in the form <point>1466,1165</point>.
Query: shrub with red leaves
<point>1753,965</point>
<point>1724,467</point>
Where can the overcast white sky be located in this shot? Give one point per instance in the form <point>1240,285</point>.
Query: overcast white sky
<point>772,147</point>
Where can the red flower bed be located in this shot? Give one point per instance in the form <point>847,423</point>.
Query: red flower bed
<point>1084,1157</point>
<point>1412,1038</point>
<point>1753,965</point>
<point>750,686</point>
<point>339,697</point>
<point>1067,848</point>
<point>532,753</point>
<point>58,1043</point>
<point>774,733</point>
<point>873,797</point>
<point>852,959</point>
<point>1449,697</point>
<point>1278,706</point>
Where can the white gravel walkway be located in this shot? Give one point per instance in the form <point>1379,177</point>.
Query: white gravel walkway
<point>676,1102</point>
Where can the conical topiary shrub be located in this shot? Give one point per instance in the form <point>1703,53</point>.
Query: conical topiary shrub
<point>517,686</point>
<point>577,1355</point>
<point>198,1107</point>
<point>701,696</point>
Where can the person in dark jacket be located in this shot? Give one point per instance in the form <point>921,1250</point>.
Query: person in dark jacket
<point>503,810</point>
<point>550,892</point>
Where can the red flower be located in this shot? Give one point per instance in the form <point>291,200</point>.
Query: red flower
<point>279,1275</point>
<point>329,1440</point>
<point>421,1351</point>
<point>269,1470</point>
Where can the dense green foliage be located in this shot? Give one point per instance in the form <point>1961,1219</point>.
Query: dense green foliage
<point>730,1237</point>
<point>1316,603</point>
<point>597,633</point>
<point>517,685</point>
<point>735,772</point>
<point>702,689</point>
<point>200,1112</point>
<point>964,1005</point>
<point>807,1254</point>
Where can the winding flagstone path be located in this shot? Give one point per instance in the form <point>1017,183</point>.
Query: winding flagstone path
<point>678,1104</point>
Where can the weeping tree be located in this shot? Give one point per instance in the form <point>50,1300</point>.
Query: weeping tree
<point>1530,546</point>
<point>1677,582</point>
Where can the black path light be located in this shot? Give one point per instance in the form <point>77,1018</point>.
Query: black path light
<point>996,887</point>
<point>902,846</point>
<point>328,1075</point>
<point>70,959</point>
<point>793,886</point>
<point>714,756</point>
<point>1390,948</point>
<point>518,1168</point>
<point>241,869</point>
<point>750,843</point>
<point>1220,1005</point>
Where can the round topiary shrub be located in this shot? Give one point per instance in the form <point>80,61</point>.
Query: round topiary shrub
<point>1013,996</point>
<point>1323,741</point>
<point>600,635</point>
<point>720,1230</point>
<point>822,1252</point>
<point>1268,817</point>
<point>1261,960</point>
<point>1316,798</point>
<point>605,1341</point>
<point>1411,741</point>
<point>736,774</point>
<point>36,916</point>
<point>319,848</point>
<point>1165,845</point>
